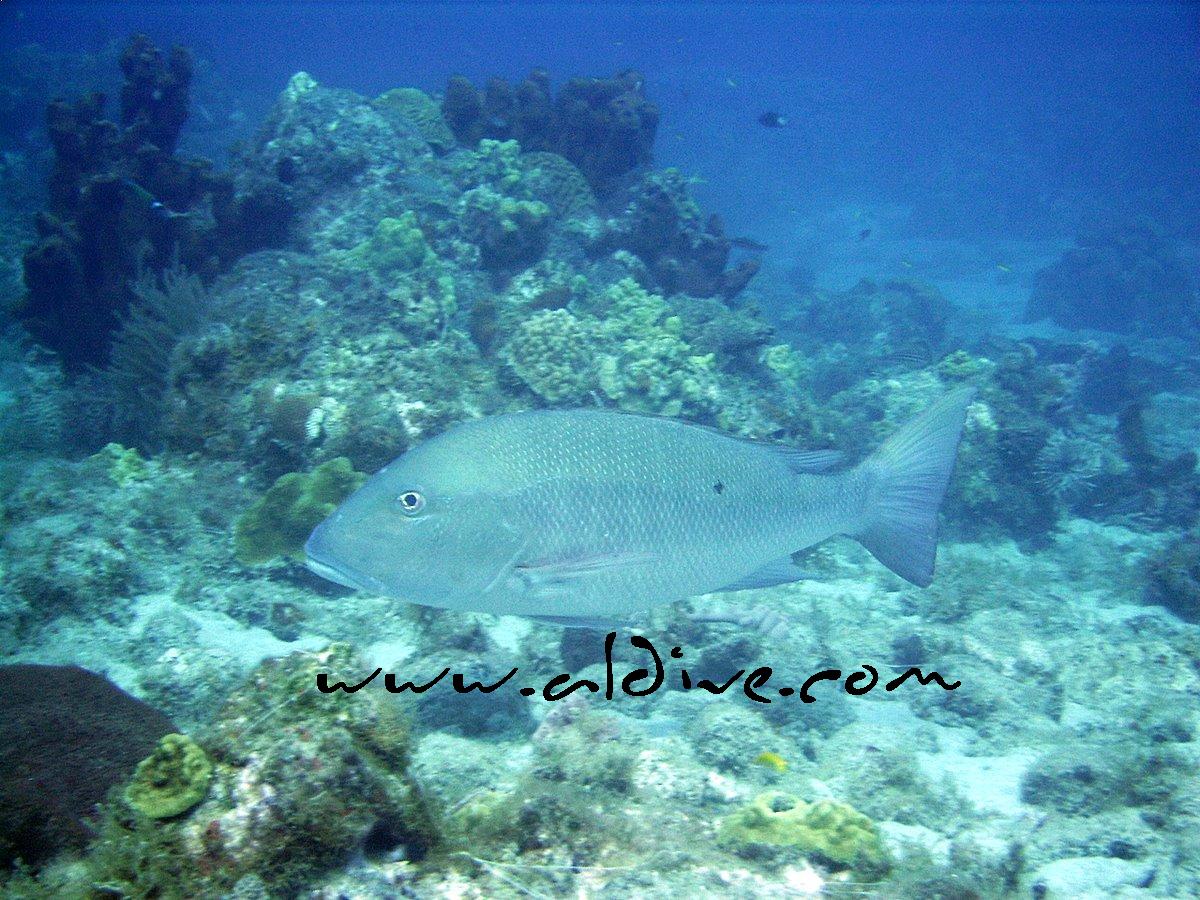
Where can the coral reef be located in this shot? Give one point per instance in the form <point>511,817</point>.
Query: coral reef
<point>1119,277</point>
<point>441,259</point>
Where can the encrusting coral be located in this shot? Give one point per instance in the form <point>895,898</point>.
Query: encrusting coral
<point>282,519</point>
<point>831,832</point>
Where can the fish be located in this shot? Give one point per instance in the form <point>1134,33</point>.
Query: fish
<point>591,513</point>
<point>772,761</point>
<point>772,120</point>
<point>864,234</point>
<point>1003,268</point>
<point>745,243</point>
<point>156,206</point>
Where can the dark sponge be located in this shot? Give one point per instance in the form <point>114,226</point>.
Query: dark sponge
<point>67,736</point>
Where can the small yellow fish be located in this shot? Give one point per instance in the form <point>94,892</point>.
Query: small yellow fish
<point>731,82</point>
<point>772,761</point>
<point>1003,268</point>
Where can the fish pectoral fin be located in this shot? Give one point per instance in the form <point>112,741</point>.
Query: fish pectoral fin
<point>778,571</point>
<point>596,623</point>
<point>583,566</point>
<point>554,579</point>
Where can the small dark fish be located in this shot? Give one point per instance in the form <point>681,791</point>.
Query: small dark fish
<point>772,120</point>
<point>864,234</point>
<point>745,243</point>
<point>157,207</point>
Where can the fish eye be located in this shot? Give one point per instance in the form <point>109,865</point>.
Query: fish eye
<point>411,502</point>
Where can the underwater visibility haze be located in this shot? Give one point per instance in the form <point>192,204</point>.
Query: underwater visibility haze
<point>644,450</point>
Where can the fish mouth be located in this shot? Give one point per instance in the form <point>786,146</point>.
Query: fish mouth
<point>339,574</point>
<point>345,577</point>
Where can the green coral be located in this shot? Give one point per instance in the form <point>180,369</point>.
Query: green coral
<point>282,519</point>
<point>397,245</point>
<point>124,464</point>
<point>832,832</point>
<point>551,353</point>
<point>507,230</point>
<point>172,780</point>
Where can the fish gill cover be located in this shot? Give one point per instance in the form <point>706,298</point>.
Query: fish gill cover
<point>203,361</point>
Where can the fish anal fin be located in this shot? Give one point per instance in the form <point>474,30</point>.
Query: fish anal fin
<point>778,571</point>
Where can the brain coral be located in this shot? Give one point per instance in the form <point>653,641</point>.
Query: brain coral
<point>551,353</point>
<point>420,110</point>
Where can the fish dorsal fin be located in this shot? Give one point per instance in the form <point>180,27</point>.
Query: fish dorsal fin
<point>777,571</point>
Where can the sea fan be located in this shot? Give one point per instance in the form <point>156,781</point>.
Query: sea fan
<point>165,310</point>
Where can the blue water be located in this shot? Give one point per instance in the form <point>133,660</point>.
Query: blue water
<point>958,244</point>
<point>988,118</point>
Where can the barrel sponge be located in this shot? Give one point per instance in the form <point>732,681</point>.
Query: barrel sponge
<point>830,831</point>
<point>280,522</point>
<point>170,781</point>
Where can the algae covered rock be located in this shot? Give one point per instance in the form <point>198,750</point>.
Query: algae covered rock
<point>281,521</point>
<point>173,779</point>
<point>831,832</point>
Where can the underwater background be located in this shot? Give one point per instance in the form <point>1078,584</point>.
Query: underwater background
<point>252,252</point>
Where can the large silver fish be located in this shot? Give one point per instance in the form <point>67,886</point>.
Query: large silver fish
<point>586,514</point>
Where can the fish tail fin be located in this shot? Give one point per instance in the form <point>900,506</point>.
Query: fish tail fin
<point>908,477</point>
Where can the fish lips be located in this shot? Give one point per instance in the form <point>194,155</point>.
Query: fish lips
<point>334,571</point>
